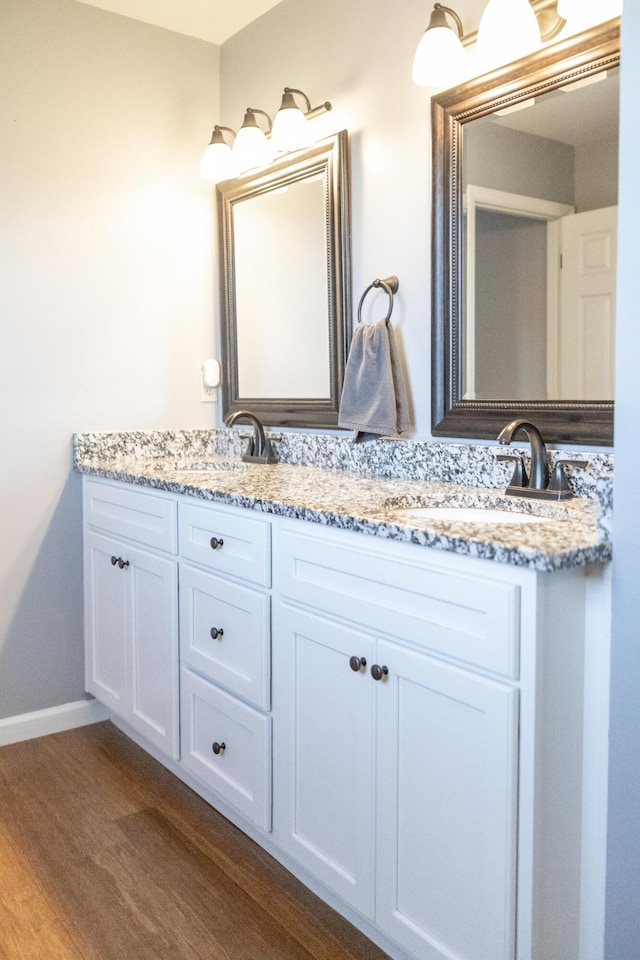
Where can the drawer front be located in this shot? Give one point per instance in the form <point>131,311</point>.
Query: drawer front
<point>226,542</point>
<point>470,618</point>
<point>225,633</point>
<point>126,511</point>
<point>240,772</point>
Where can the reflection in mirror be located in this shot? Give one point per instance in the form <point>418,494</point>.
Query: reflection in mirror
<point>541,187</point>
<point>285,279</point>
<point>524,227</point>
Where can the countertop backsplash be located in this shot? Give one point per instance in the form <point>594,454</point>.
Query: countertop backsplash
<point>438,462</point>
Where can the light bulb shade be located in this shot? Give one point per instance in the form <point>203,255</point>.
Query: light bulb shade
<point>439,60</point>
<point>508,30</point>
<point>291,129</point>
<point>251,148</point>
<point>589,11</point>
<point>218,162</point>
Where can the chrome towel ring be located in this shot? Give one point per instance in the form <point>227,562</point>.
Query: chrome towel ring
<point>390,286</point>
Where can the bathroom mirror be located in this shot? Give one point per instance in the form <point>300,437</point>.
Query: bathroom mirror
<point>285,286</point>
<point>523,244</point>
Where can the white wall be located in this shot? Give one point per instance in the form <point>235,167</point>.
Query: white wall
<point>106,291</point>
<point>623,864</point>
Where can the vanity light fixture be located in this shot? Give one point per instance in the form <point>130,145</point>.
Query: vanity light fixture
<point>218,162</point>
<point>291,125</point>
<point>507,26</point>
<point>251,147</point>
<point>439,58</point>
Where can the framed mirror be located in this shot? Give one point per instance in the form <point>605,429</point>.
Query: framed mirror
<point>285,273</point>
<point>523,244</point>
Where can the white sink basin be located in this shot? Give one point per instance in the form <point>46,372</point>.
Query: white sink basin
<point>468,515</point>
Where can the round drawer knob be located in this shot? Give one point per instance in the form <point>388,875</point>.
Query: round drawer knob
<point>218,747</point>
<point>114,560</point>
<point>216,543</point>
<point>216,632</point>
<point>357,663</point>
<point>378,672</point>
<point>123,563</point>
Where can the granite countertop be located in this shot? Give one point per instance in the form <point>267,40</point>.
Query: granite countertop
<point>351,501</point>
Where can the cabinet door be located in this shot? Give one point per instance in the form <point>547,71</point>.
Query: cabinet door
<point>446,831</point>
<point>324,762</point>
<point>106,623</point>
<point>153,666</point>
<point>132,637</point>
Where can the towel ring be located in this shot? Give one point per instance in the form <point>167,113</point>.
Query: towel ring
<point>390,286</point>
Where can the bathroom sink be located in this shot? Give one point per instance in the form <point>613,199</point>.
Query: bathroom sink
<point>459,514</point>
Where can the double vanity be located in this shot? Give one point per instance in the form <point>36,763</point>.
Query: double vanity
<point>380,668</point>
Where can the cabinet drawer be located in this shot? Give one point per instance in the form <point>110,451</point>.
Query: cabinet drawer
<point>241,772</point>
<point>246,543</point>
<point>146,518</point>
<point>225,633</point>
<point>470,618</point>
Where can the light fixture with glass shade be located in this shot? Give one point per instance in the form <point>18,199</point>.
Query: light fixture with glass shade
<point>218,162</point>
<point>439,59</point>
<point>291,129</point>
<point>508,30</point>
<point>251,147</point>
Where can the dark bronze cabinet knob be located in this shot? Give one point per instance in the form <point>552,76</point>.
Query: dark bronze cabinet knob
<point>114,560</point>
<point>216,632</point>
<point>378,672</point>
<point>216,543</point>
<point>357,663</point>
<point>123,563</point>
<point>218,747</point>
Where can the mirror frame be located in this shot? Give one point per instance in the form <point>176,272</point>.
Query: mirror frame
<point>329,157</point>
<point>584,422</point>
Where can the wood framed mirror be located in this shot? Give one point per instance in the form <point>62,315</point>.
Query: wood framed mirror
<point>285,272</point>
<point>521,158</point>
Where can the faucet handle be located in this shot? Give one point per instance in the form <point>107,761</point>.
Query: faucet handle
<point>558,482</point>
<point>519,478</point>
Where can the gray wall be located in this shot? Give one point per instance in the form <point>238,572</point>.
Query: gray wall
<point>623,866</point>
<point>106,291</point>
<point>518,162</point>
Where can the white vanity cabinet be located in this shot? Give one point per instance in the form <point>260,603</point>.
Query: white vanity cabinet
<point>131,608</point>
<point>405,730</point>
<point>225,652</point>
<point>409,736</point>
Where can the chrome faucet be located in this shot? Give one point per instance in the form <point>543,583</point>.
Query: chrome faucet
<point>537,485</point>
<point>259,448</point>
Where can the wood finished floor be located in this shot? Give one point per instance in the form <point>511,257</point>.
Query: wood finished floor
<point>105,855</point>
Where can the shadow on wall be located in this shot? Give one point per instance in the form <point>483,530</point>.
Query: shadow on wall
<point>41,655</point>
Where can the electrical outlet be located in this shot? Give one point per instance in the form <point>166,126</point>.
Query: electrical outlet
<point>208,394</point>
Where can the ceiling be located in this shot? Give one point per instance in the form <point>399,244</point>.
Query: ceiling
<point>212,20</point>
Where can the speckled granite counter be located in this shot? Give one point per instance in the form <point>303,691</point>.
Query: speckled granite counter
<point>206,464</point>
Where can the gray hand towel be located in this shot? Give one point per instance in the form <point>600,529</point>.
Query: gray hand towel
<point>374,397</point>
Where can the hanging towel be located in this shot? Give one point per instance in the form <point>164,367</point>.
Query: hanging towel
<point>374,397</point>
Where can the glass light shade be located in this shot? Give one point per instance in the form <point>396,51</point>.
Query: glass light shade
<point>439,59</point>
<point>508,30</point>
<point>589,11</point>
<point>251,148</point>
<point>218,163</point>
<point>291,130</point>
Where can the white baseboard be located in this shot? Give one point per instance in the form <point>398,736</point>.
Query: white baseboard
<point>26,726</point>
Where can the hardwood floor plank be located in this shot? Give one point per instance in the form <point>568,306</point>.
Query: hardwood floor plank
<point>105,855</point>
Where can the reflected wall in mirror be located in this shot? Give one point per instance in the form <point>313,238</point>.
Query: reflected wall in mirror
<point>524,244</point>
<point>285,278</point>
